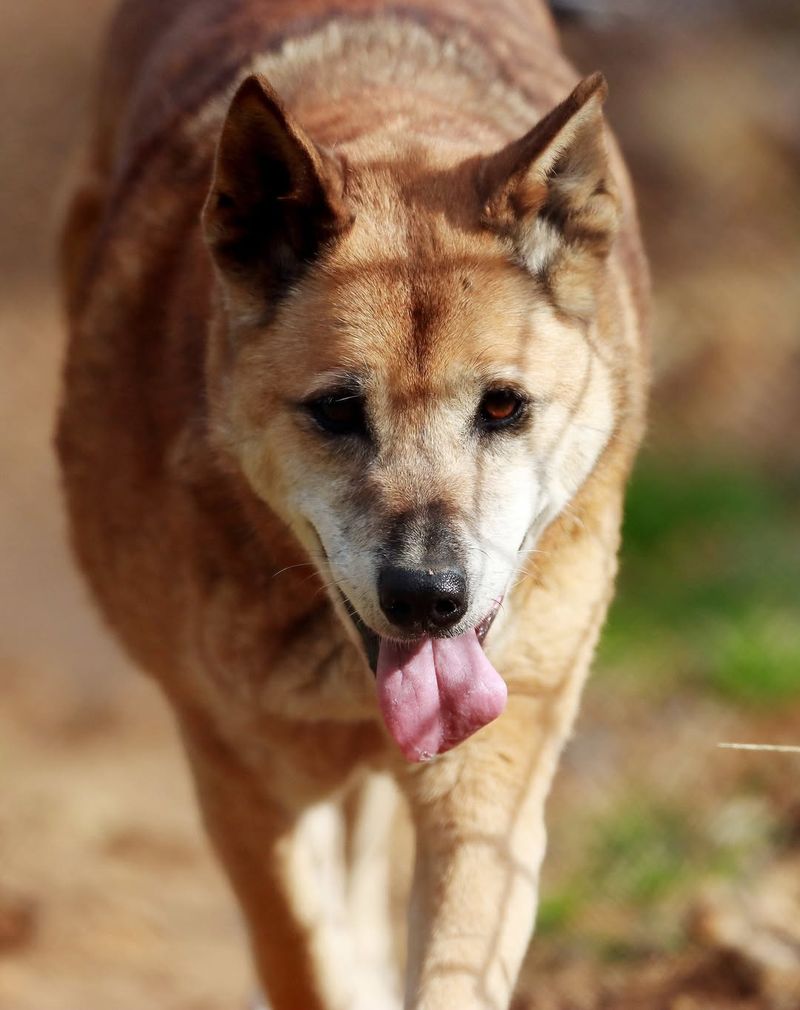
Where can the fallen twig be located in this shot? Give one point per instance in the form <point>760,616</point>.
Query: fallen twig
<point>775,747</point>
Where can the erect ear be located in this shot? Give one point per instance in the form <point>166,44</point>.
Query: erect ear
<point>552,194</point>
<point>276,198</point>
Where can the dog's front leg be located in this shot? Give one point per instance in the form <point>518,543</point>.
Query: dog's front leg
<point>478,813</point>
<point>284,855</point>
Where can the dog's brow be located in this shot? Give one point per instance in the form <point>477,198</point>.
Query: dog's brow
<point>338,379</point>
<point>507,375</point>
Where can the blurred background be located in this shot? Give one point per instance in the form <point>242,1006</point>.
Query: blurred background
<point>673,879</point>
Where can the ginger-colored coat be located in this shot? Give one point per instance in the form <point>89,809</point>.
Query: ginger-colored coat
<point>412,226</point>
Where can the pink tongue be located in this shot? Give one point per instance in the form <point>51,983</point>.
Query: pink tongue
<point>437,692</point>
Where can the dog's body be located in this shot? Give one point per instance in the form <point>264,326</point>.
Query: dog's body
<point>416,346</point>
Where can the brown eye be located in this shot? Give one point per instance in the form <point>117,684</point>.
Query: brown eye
<point>340,413</point>
<point>499,408</point>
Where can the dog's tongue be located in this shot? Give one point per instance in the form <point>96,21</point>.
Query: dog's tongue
<point>437,692</point>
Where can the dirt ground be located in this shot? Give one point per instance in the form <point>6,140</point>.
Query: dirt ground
<point>109,898</point>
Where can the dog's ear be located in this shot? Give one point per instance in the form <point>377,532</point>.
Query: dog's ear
<point>552,195</point>
<point>276,198</point>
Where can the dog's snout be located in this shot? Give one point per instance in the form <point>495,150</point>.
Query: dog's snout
<point>421,599</point>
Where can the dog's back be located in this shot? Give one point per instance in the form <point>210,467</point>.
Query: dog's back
<point>164,58</point>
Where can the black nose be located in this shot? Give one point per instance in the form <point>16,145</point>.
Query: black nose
<point>420,599</point>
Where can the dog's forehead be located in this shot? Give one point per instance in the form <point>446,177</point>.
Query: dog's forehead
<point>418,297</point>
<point>419,310</point>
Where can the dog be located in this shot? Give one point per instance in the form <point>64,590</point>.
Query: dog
<point>356,373</point>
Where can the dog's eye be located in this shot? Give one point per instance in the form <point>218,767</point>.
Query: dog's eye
<point>340,413</point>
<point>500,408</point>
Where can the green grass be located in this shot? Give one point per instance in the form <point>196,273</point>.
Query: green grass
<point>641,859</point>
<point>634,856</point>
<point>558,910</point>
<point>709,589</point>
<point>643,852</point>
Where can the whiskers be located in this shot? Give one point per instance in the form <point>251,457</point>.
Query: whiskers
<point>334,588</point>
<point>510,561</point>
<point>289,568</point>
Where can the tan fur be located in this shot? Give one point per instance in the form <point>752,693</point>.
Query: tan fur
<point>415,237</point>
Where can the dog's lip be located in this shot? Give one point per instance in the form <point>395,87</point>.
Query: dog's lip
<point>482,628</point>
<point>371,640</point>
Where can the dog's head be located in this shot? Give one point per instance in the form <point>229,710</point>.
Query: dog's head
<point>411,381</point>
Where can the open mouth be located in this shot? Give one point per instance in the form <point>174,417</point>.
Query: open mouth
<point>433,693</point>
<point>371,640</point>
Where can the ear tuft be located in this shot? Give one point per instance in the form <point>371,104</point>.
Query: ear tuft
<point>551,193</point>
<point>276,197</point>
<point>593,86</point>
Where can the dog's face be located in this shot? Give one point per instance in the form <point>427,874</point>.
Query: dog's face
<point>412,382</point>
